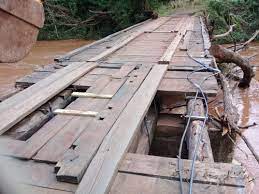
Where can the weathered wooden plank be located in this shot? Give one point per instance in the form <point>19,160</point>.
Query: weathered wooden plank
<point>166,58</point>
<point>205,36</point>
<point>71,168</point>
<point>197,76</point>
<point>33,173</point>
<point>183,86</point>
<point>185,44</point>
<point>8,146</point>
<point>101,171</point>
<point>124,71</point>
<point>19,106</point>
<point>133,183</point>
<point>132,59</point>
<point>58,123</point>
<point>62,141</point>
<point>208,173</point>
<point>151,26</point>
<point>26,188</point>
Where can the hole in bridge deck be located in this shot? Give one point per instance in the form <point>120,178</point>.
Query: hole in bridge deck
<point>160,134</point>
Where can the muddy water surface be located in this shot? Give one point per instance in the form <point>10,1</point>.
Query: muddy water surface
<point>42,54</point>
<point>248,105</point>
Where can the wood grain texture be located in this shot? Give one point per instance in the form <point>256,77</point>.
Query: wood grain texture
<point>56,124</point>
<point>19,106</point>
<point>103,168</point>
<point>62,141</point>
<point>167,56</point>
<point>204,151</point>
<point>132,183</point>
<point>208,173</point>
<point>151,26</point>
<point>72,167</point>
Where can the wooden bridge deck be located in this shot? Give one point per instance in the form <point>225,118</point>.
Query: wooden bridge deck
<point>131,66</point>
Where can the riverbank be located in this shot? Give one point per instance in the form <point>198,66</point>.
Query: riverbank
<point>43,53</point>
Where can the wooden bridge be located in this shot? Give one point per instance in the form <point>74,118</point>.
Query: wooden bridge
<point>108,117</point>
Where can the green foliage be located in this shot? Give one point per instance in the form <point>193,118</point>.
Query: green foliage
<point>92,18</point>
<point>243,13</point>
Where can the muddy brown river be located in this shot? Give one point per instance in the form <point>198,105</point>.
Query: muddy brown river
<point>248,106</point>
<point>44,52</point>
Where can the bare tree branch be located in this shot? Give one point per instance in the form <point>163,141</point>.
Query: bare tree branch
<point>224,34</point>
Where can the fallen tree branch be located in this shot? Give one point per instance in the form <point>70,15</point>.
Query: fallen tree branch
<point>226,56</point>
<point>230,117</point>
<point>224,34</point>
<point>249,41</point>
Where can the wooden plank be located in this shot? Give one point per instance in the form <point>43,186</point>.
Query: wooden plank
<point>19,106</point>
<point>100,173</point>
<point>134,183</point>
<point>208,173</point>
<point>205,37</point>
<point>75,162</point>
<point>33,173</point>
<point>8,146</point>
<point>25,188</point>
<point>151,26</point>
<point>185,44</point>
<point>63,140</point>
<point>167,56</point>
<point>183,86</point>
<point>197,76</point>
<point>56,124</point>
<point>124,71</point>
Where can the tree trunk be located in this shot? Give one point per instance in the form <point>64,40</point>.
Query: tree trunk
<point>227,56</point>
<point>204,151</point>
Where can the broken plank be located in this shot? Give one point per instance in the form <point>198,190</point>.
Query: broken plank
<point>19,106</point>
<point>63,140</point>
<point>101,171</point>
<point>51,128</point>
<point>76,161</point>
